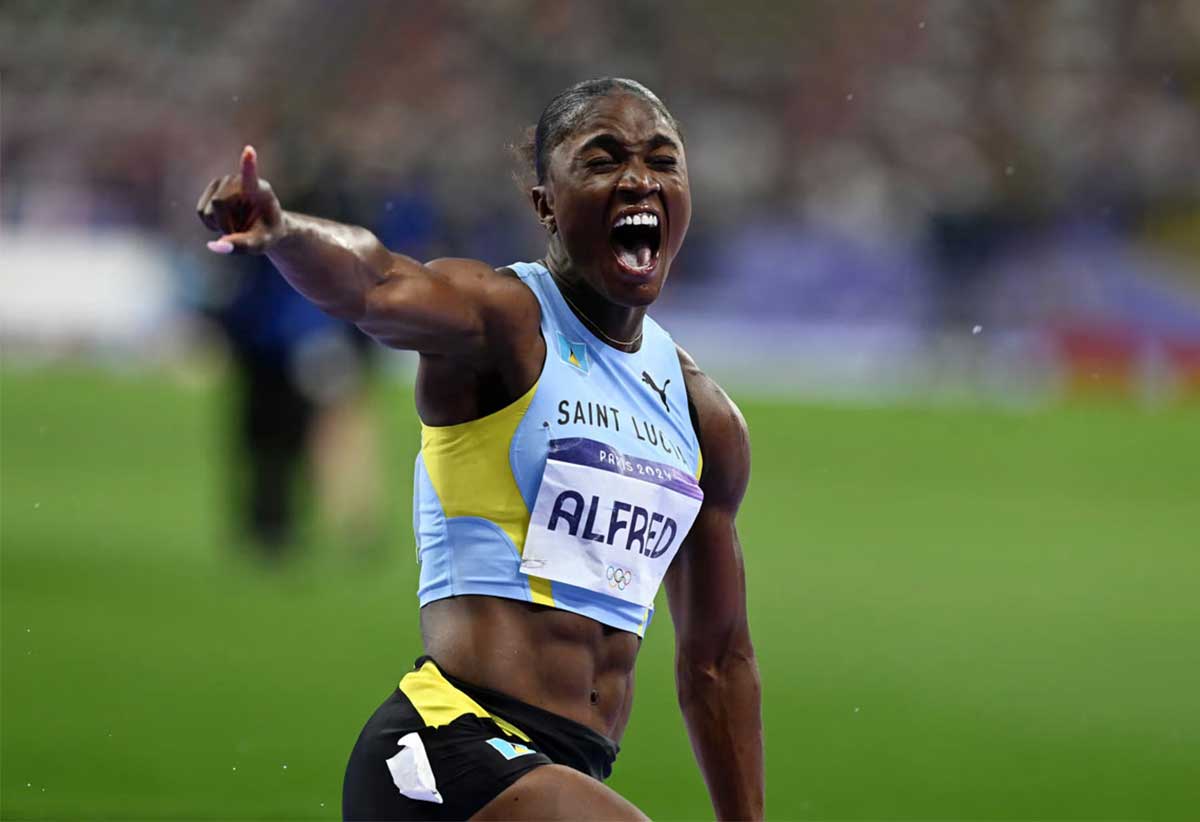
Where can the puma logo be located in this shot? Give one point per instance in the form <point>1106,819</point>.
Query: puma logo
<point>662,392</point>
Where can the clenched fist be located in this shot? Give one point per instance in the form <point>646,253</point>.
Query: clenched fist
<point>243,208</point>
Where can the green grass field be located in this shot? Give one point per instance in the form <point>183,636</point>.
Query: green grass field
<point>959,613</point>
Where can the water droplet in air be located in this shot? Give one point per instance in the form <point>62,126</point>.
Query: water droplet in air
<point>921,25</point>
<point>1009,171</point>
<point>236,98</point>
<point>856,709</point>
<point>849,97</point>
<point>977,329</point>
<point>322,804</point>
<point>235,767</point>
<point>28,784</point>
<point>37,505</point>
<point>389,205</point>
<point>285,767</point>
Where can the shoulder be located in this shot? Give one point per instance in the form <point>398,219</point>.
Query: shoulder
<point>723,433</point>
<point>464,270</point>
<point>506,298</point>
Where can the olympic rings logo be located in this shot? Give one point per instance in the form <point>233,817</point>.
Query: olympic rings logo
<point>619,578</point>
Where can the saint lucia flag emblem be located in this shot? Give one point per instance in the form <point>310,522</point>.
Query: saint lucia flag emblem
<point>574,353</point>
<point>509,750</point>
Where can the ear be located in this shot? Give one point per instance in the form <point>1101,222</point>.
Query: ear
<point>543,205</point>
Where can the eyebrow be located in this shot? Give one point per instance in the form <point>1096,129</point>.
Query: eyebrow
<point>660,140</point>
<point>611,141</point>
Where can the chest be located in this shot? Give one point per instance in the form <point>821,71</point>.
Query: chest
<point>637,405</point>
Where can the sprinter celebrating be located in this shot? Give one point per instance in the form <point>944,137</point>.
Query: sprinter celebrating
<point>573,458</point>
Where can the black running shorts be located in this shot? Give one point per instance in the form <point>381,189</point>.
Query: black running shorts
<point>439,748</point>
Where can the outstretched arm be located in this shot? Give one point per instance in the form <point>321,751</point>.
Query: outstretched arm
<point>446,307</point>
<point>715,669</point>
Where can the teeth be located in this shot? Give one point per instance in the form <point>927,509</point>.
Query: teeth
<point>641,218</point>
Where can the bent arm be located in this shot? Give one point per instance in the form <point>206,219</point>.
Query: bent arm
<point>716,675</point>
<point>716,671</point>
<point>334,265</point>
<point>437,308</point>
<point>447,307</point>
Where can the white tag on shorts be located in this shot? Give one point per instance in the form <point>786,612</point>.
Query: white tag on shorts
<point>411,770</point>
<point>608,522</point>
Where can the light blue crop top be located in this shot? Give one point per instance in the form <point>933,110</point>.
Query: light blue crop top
<point>476,483</point>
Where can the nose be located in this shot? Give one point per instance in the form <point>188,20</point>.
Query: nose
<point>637,182</point>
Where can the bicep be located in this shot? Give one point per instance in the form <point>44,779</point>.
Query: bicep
<point>448,307</point>
<point>706,587</point>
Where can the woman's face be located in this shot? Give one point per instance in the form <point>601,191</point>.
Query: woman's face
<point>617,189</point>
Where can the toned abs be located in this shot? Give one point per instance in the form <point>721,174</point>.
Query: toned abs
<point>562,662</point>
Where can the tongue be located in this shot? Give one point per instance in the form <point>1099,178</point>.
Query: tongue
<point>636,257</point>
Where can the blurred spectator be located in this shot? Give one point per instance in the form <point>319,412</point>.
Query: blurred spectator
<point>301,379</point>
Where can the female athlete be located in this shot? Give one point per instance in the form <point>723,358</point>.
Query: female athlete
<point>572,459</point>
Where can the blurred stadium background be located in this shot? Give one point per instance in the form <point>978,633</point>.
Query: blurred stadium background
<point>946,255</point>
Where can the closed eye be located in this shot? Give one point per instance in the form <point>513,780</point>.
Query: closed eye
<point>664,162</point>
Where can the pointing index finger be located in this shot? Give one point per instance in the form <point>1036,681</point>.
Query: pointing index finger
<point>249,170</point>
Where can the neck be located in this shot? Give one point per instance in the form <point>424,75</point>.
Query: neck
<point>618,325</point>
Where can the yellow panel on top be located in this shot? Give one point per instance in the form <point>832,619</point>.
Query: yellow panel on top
<point>469,468</point>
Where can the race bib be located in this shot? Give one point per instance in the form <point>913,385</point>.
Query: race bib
<point>607,522</point>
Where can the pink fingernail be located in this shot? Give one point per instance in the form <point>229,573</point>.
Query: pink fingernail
<point>220,246</point>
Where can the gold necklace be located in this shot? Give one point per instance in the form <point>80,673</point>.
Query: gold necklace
<point>596,328</point>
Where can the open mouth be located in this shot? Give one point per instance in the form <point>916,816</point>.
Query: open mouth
<point>636,239</point>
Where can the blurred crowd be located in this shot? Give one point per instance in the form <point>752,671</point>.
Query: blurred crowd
<point>938,162</point>
<point>887,195</point>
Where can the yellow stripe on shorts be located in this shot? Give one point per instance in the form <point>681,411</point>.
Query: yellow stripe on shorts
<point>440,703</point>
